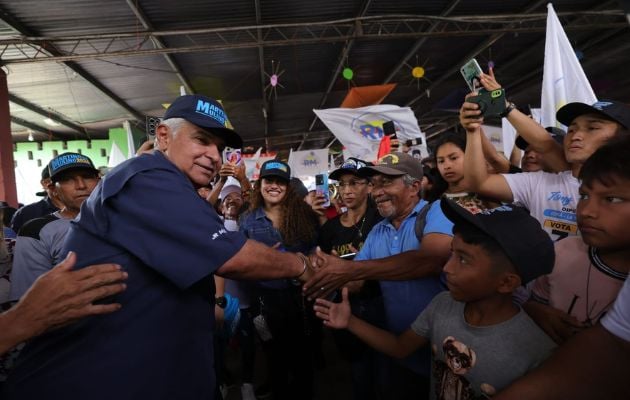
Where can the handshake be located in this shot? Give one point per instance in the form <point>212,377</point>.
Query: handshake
<point>324,273</point>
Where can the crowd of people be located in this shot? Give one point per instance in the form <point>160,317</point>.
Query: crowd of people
<point>460,276</point>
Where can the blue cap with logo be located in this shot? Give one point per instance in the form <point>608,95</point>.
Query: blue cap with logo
<point>206,113</point>
<point>67,161</point>
<point>275,168</point>
<point>612,110</point>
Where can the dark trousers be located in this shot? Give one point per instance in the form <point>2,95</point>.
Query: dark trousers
<point>400,383</point>
<point>290,351</point>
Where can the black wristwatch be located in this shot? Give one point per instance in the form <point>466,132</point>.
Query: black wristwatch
<point>508,109</point>
<point>221,302</point>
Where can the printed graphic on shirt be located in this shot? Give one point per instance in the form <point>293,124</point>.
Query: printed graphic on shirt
<point>450,379</point>
<point>561,220</point>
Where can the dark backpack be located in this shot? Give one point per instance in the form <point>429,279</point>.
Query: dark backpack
<point>421,221</point>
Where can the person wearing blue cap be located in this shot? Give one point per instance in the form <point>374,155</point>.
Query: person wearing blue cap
<point>146,216</point>
<point>39,243</point>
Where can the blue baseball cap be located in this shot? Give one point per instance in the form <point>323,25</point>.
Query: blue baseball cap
<point>68,161</point>
<point>275,168</point>
<point>206,113</point>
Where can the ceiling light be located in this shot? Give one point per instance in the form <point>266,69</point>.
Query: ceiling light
<point>30,136</point>
<point>50,122</point>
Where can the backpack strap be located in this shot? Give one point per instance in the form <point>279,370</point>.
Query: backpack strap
<point>421,221</point>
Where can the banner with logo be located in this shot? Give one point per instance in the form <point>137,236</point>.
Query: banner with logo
<point>564,80</point>
<point>360,130</point>
<point>308,162</point>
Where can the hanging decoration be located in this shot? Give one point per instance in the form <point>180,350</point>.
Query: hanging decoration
<point>348,73</point>
<point>274,79</point>
<point>418,72</point>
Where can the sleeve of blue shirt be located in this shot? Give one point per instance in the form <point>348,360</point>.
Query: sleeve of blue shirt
<point>158,217</point>
<point>436,221</point>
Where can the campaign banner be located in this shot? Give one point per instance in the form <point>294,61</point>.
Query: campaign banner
<point>360,130</point>
<point>308,162</point>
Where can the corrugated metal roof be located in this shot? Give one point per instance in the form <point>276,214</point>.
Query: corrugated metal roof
<point>145,82</point>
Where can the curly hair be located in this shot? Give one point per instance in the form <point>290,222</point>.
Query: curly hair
<point>299,222</point>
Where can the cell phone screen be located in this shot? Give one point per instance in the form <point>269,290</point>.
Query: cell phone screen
<point>321,187</point>
<point>389,129</point>
<point>471,71</point>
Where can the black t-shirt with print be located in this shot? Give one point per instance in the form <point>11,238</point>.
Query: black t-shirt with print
<point>335,236</point>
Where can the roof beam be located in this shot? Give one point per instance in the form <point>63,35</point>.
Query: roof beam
<point>266,111</point>
<point>159,44</point>
<point>481,47</point>
<point>381,27</point>
<point>414,49</point>
<point>49,114</point>
<point>343,55</point>
<point>54,52</point>
<point>38,128</point>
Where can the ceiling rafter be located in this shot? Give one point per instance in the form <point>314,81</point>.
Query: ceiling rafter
<point>343,56</point>
<point>159,44</point>
<point>49,114</point>
<point>366,28</point>
<point>41,129</point>
<point>473,53</point>
<point>51,51</point>
<point>266,111</point>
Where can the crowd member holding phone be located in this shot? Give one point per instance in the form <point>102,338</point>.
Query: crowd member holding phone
<point>551,198</point>
<point>344,236</point>
<point>279,217</point>
<point>146,216</point>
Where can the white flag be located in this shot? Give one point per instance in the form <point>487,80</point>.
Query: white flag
<point>308,162</point>
<point>116,156</point>
<point>564,80</point>
<point>360,130</point>
<point>131,150</point>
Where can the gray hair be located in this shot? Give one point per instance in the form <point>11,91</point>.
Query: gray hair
<point>174,124</point>
<point>408,180</point>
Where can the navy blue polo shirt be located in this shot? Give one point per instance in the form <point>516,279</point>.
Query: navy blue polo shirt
<point>146,216</point>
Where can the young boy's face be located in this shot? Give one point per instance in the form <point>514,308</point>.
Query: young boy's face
<point>603,214</point>
<point>469,272</point>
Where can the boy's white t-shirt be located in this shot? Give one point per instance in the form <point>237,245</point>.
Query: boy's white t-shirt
<point>550,198</point>
<point>617,321</point>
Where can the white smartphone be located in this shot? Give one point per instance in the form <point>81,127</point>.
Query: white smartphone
<point>471,71</point>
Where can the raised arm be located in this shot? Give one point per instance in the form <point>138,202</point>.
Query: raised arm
<point>334,272</point>
<point>475,171</point>
<point>535,134</point>
<point>338,316</point>
<point>500,164</point>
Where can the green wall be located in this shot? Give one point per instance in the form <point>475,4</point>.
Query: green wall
<point>31,157</point>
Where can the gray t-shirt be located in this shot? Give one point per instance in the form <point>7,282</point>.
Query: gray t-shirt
<point>471,362</point>
<point>37,250</point>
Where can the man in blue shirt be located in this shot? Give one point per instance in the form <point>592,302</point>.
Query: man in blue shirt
<point>146,216</point>
<point>409,272</point>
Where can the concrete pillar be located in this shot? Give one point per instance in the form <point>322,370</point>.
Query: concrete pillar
<point>8,191</point>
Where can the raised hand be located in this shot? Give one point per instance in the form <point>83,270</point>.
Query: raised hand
<point>334,315</point>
